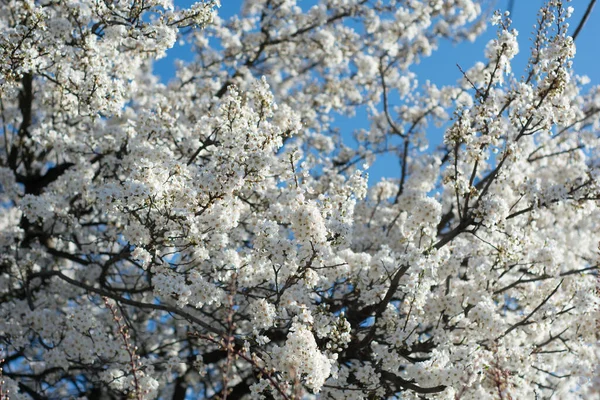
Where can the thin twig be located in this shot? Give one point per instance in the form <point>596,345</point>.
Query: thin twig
<point>584,19</point>
<point>134,359</point>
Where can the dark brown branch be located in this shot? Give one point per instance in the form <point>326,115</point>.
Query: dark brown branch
<point>26,107</point>
<point>584,19</point>
<point>454,233</point>
<point>390,377</point>
<point>130,302</point>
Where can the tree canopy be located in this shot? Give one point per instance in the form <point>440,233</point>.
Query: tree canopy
<point>217,237</point>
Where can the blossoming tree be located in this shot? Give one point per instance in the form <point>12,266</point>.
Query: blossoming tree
<point>215,237</point>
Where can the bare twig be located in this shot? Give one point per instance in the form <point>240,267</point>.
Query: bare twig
<point>584,19</point>
<point>524,320</point>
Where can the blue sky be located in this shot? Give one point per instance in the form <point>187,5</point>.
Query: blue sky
<point>441,68</point>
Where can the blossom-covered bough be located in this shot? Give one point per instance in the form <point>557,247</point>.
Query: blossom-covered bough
<point>216,238</point>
